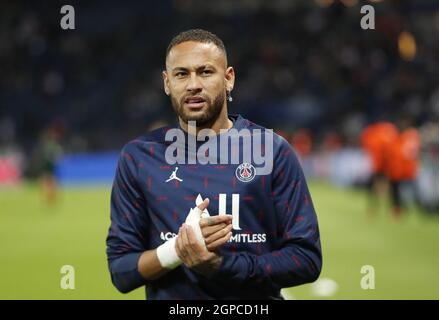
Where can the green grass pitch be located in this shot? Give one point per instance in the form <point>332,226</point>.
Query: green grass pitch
<point>36,241</point>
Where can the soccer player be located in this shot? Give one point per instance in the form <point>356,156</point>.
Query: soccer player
<point>376,139</point>
<point>169,228</point>
<point>48,152</point>
<point>402,168</point>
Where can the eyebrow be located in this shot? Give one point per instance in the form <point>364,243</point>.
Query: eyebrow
<point>199,68</point>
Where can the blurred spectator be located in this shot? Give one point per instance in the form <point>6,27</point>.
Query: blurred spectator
<point>302,143</point>
<point>47,154</point>
<point>376,140</point>
<point>402,167</point>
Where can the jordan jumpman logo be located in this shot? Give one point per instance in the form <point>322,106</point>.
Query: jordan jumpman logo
<point>174,176</point>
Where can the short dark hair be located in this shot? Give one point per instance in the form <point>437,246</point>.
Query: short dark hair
<point>197,35</point>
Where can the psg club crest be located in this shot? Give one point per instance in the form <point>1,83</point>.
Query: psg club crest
<point>245,172</point>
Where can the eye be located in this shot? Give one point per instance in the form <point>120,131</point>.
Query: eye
<point>206,72</point>
<point>180,74</point>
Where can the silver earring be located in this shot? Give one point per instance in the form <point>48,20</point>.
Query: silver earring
<point>229,96</point>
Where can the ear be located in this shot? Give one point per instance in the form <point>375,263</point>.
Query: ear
<point>230,78</point>
<point>166,82</point>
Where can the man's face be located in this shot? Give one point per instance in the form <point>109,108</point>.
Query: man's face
<point>196,78</point>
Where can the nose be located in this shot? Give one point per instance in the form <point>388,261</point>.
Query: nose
<point>194,83</point>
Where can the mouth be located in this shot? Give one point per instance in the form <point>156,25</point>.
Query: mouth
<point>195,103</point>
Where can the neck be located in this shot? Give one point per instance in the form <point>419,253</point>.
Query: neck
<point>221,123</point>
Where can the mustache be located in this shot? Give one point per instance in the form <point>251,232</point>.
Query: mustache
<point>203,96</point>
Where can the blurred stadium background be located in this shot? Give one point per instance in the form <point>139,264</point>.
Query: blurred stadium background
<point>304,68</point>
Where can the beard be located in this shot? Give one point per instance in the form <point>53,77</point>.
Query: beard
<point>209,114</point>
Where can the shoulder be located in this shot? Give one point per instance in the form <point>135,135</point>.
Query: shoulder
<point>282,151</point>
<point>280,144</point>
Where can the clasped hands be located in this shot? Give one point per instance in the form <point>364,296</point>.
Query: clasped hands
<point>200,237</point>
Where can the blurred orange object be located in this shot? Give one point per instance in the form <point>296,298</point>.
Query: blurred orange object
<point>332,142</point>
<point>376,139</point>
<point>302,142</point>
<point>403,156</point>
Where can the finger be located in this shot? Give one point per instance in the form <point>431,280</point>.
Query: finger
<point>204,204</point>
<point>210,221</point>
<point>193,245</point>
<point>184,237</point>
<point>219,243</point>
<point>179,246</point>
<point>188,241</point>
<point>218,235</point>
<point>197,250</point>
<point>208,231</point>
<point>189,258</point>
<point>194,248</point>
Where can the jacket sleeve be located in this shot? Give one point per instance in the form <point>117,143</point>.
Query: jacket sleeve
<point>298,259</point>
<point>126,235</point>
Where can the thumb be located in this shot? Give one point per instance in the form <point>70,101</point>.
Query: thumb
<point>204,204</point>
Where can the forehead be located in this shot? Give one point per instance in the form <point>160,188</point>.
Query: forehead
<point>191,54</point>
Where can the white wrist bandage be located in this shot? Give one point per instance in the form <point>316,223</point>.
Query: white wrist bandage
<point>167,254</point>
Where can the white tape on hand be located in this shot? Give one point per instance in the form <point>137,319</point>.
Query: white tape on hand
<point>167,254</point>
<point>193,220</point>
